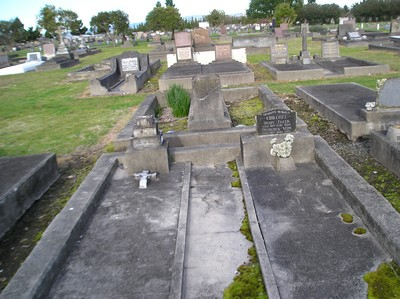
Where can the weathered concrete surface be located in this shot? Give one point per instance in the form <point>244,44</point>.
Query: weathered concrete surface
<point>386,151</point>
<point>128,249</point>
<point>215,246</point>
<point>22,181</point>
<point>37,273</point>
<point>375,211</point>
<point>313,254</point>
<point>341,104</point>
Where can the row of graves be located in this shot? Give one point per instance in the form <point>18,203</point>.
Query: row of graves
<point>288,176</point>
<point>306,67</point>
<point>194,54</point>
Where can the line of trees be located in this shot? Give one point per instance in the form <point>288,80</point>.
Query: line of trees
<point>376,10</point>
<point>13,31</point>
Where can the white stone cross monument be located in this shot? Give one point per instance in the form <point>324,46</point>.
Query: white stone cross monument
<point>143,177</point>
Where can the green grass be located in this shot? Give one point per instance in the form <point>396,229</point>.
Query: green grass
<point>384,283</point>
<point>244,112</point>
<point>44,112</point>
<point>179,100</point>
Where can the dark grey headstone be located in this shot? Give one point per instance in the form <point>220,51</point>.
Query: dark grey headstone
<point>276,121</point>
<point>4,61</point>
<point>389,94</point>
<point>279,54</point>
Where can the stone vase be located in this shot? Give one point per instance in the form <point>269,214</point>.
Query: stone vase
<point>283,164</point>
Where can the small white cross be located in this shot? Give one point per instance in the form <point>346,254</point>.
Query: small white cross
<point>143,177</point>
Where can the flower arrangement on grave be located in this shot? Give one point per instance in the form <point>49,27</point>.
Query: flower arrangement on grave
<point>282,149</point>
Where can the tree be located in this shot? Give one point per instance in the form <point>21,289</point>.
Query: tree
<point>285,13</point>
<point>119,22</point>
<point>50,18</point>
<point>112,23</point>
<point>47,19</point>
<point>169,3</point>
<point>164,19</point>
<point>18,33</point>
<point>5,33</point>
<point>32,35</point>
<point>216,18</point>
<point>259,9</point>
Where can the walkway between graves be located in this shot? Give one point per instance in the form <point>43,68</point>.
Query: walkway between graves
<point>312,252</point>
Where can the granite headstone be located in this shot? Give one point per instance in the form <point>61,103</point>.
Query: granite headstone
<point>276,121</point>
<point>389,93</point>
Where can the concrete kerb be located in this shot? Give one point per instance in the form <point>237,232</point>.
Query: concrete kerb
<point>176,288</point>
<point>374,210</point>
<point>258,239</point>
<point>37,274</point>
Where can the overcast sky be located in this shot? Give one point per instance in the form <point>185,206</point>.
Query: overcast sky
<point>27,10</point>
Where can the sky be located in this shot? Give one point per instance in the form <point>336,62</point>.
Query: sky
<point>27,10</point>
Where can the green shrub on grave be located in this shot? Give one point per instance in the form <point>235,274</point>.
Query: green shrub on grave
<point>179,100</point>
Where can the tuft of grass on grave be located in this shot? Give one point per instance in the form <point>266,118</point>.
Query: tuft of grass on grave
<point>384,283</point>
<point>359,231</point>
<point>347,218</point>
<point>110,148</point>
<point>179,100</point>
<point>244,112</point>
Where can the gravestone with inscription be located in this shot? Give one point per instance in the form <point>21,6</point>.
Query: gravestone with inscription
<point>131,62</point>
<point>223,51</point>
<point>33,56</point>
<point>279,54</point>
<point>276,121</point>
<point>330,49</point>
<point>183,44</point>
<point>389,94</point>
<point>49,50</point>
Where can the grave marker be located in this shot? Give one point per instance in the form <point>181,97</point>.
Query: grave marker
<point>330,49</point>
<point>395,26</point>
<point>184,53</point>
<point>183,39</point>
<point>279,54</point>
<point>389,93</point>
<point>276,121</point>
<point>130,64</point>
<point>49,50</point>
<point>201,36</point>
<point>4,61</point>
<point>223,51</point>
<point>278,32</point>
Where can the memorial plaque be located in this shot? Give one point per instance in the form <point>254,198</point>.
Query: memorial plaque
<point>184,53</point>
<point>276,121</point>
<point>279,54</point>
<point>130,64</point>
<point>183,39</point>
<point>330,49</point>
<point>223,52</point>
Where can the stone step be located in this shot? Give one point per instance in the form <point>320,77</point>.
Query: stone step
<point>206,154</point>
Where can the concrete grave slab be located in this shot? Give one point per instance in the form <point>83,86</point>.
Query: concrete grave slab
<point>22,181</point>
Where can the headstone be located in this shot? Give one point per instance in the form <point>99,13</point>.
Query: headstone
<point>284,26</point>
<point>183,39</point>
<point>207,108</point>
<point>184,53</point>
<point>49,50</point>
<point>4,61</point>
<point>201,36</point>
<point>62,49</point>
<point>156,38</point>
<point>223,51</point>
<point>395,26</point>
<point>354,35</point>
<point>223,30</point>
<point>33,56</point>
<point>276,121</point>
<point>389,93</point>
<point>130,64</point>
<point>330,49</point>
<point>278,32</point>
<point>347,26</point>
<point>304,54</point>
<point>279,54</point>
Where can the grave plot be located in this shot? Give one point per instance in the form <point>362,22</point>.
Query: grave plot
<point>345,105</point>
<point>129,72</point>
<point>115,239</point>
<point>22,181</point>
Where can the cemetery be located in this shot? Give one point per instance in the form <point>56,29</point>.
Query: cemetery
<point>159,216</point>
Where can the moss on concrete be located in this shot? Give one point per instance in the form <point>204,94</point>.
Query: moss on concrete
<point>359,231</point>
<point>244,112</point>
<point>384,283</point>
<point>347,218</point>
